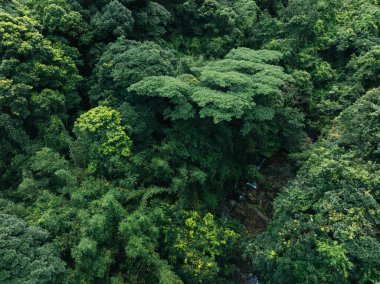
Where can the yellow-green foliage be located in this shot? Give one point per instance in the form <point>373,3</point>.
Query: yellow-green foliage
<point>100,132</point>
<point>196,242</point>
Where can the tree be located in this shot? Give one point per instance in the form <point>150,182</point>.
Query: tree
<point>124,63</point>
<point>38,77</point>
<point>323,38</point>
<point>198,246</point>
<point>114,19</point>
<point>365,68</point>
<point>211,28</point>
<point>61,17</point>
<point>243,86</point>
<point>14,147</point>
<point>25,254</point>
<point>360,126</point>
<point>96,252</point>
<point>229,108</point>
<point>46,170</point>
<point>326,222</point>
<point>102,141</point>
<point>141,233</point>
<point>151,21</point>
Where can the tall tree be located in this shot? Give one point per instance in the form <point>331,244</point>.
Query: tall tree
<point>232,106</point>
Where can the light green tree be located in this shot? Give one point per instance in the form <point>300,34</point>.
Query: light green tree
<point>101,140</point>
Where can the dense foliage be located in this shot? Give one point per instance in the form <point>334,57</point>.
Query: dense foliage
<point>331,210</point>
<point>128,128</point>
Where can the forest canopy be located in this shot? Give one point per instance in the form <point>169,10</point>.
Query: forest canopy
<point>189,141</point>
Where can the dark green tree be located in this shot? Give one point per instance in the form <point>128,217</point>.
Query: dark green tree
<point>229,108</point>
<point>126,62</point>
<point>25,254</point>
<point>63,18</point>
<point>113,20</point>
<point>151,21</point>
